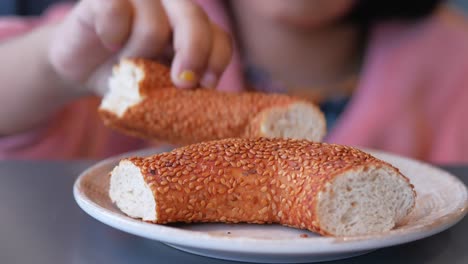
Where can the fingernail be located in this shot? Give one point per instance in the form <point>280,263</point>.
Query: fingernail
<point>188,76</point>
<point>209,80</point>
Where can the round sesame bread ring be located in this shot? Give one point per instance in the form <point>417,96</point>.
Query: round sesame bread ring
<point>143,102</point>
<point>329,189</point>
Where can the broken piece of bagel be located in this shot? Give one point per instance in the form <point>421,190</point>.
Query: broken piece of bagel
<point>143,102</point>
<point>329,189</point>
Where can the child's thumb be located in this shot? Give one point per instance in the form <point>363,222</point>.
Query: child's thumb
<point>93,31</point>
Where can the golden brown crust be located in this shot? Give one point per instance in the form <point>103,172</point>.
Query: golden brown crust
<point>189,116</point>
<point>157,76</point>
<point>247,180</point>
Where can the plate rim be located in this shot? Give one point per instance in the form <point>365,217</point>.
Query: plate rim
<point>249,245</point>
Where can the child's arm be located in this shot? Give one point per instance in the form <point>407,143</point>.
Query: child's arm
<point>54,64</point>
<point>30,88</point>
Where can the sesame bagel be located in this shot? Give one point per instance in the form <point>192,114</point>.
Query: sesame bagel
<point>143,102</point>
<point>329,189</point>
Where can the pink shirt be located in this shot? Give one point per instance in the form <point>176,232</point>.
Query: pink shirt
<point>412,98</point>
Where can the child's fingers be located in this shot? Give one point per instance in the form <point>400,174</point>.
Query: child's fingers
<point>79,47</point>
<point>112,21</point>
<point>151,31</point>
<point>220,57</point>
<point>193,40</point>
<point>96,29</point>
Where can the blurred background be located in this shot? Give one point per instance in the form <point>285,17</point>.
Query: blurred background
<point>462,4</point>
<point>35,7</point>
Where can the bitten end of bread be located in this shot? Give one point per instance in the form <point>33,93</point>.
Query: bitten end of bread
<point>298,120</point>
<point>129,191</point>
<point>364,200</point>
<point>123,88</point>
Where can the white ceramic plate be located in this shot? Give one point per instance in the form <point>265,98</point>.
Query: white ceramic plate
<point>441,202</point>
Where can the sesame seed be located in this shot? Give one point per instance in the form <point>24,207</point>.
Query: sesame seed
<point>263,210</point>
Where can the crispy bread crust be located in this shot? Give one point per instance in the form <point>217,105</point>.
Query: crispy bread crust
<point>189,116</point>
<point>249,180</point>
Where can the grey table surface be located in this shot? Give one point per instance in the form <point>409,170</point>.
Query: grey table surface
<point>41,223</point>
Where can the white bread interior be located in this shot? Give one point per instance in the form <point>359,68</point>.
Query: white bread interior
<point>123,90</point>
<point>364,201</point>
<point>358,202</point>
<point>298,120</point>
<point>129,191</point>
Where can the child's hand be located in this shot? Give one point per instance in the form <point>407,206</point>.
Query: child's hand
<point>97,32</point>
